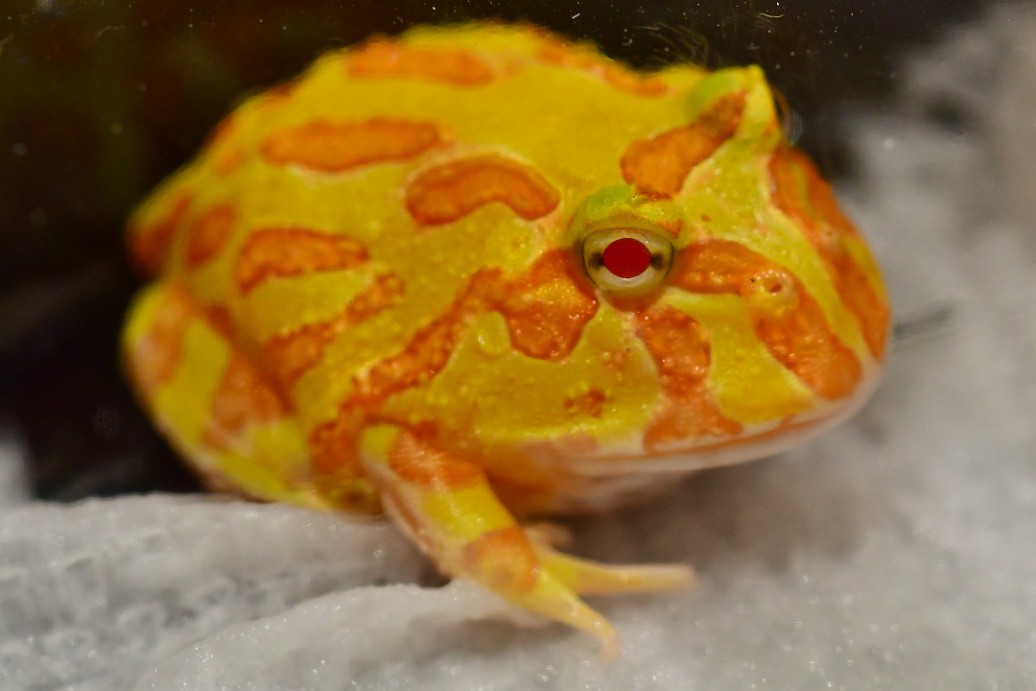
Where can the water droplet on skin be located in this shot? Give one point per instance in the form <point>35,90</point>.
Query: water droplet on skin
<point>491,344</point>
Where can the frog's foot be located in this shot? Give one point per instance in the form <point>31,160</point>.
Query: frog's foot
<point>446,505</point>
<point>211,401</point>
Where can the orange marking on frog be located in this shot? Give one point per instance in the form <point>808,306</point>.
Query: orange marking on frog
<point>332,444</point>
<point>548,330</point>
<point>420,465</point>
<point>450,191</point>
<point>293,354</point>
<point>282,252</point>
<point>155,356</point>
<point>681,351</point>
<point>787,318</point>
<point>505,558</point>
<point>564,54</point>
<point>805,197</point>
<point>547,308</point>
<point>227,162</point>
<point>335,147</point>
<point>427,352</point>
<point>242,397</point>
<point>209,233</point>
<point>221,320</point>
<point>803,342</point>
<point>386,59</point>
<point>590,403</point>
<point>150,243</point>
<point>658,166</point>
<point>540,327</point>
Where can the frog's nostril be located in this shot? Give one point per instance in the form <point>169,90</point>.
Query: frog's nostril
<point>626,257</point>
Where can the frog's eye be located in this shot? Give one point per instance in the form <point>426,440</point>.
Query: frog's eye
<point>626,262</point>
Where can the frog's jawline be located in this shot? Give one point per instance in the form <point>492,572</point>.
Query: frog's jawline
<point>767,442</point>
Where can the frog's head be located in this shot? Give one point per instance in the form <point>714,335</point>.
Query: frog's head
<point>754,301</point>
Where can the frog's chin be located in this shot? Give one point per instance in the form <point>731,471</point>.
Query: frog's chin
<point>758,441</point>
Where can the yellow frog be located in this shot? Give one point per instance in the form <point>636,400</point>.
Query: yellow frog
<point>479,274</point>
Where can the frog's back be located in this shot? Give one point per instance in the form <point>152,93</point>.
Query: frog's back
<point>329,218</point>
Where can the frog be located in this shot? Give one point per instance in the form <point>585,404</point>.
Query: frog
<point>474,277</point>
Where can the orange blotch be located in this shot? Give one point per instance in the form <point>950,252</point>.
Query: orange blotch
<point>337,471</point>
<point>241,397</point>
<point>153,359</point>
<point>387,59</point>
<point>281,252</point>
<point>787,318</point>
<point>209,233</point>
<point>332,445</point>
<point>803,342</point>
<point>805,197</point>
<point>221,320</point>
<point>563,54</point>
<point>503,560</point>
<point>450,191</point>
<point>425,355</point>
<point>291,355</point>
<point>547,308</point>
<point>863,301</point>
<point>723,266</point>
<point>227,162</point>
<point>590,403</point>
<point>334,147</point>
<point>150,243</point>
<point>680,348</point>
<point>420,465</point>
<point>659,166</point>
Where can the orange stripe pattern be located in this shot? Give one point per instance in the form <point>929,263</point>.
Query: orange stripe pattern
<point>380,59</point>
<point>450,191</point>
<point>335,147</point>
<point>804,196</point>
<point>658,166</point>
<point>282,252</point>
<point>787,318</point>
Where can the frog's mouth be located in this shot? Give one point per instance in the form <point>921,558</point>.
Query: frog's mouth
<point>755,442</point>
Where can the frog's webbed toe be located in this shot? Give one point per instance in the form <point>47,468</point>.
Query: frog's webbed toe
<point>446,505</point>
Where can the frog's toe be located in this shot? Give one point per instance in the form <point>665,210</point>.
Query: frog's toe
<point>584,576</point>
<point>553,598</point>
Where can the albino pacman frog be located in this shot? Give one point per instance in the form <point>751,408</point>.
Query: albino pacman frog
<point>476,275</point>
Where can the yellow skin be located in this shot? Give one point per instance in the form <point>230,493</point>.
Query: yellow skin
<point>387,287</point>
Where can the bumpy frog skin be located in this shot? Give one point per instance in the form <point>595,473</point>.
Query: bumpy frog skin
<point>479,274</point>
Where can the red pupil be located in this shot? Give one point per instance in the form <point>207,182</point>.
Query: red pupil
<point>626,257</point>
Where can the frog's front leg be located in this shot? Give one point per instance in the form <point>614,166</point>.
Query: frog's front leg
<point>446,505</point>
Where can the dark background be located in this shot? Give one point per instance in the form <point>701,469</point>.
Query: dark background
<point>101,99</point>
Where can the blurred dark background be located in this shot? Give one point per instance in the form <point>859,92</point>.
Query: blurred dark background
<point>101,99</point>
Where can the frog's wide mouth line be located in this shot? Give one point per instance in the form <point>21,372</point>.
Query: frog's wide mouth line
<point>766,440</point>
